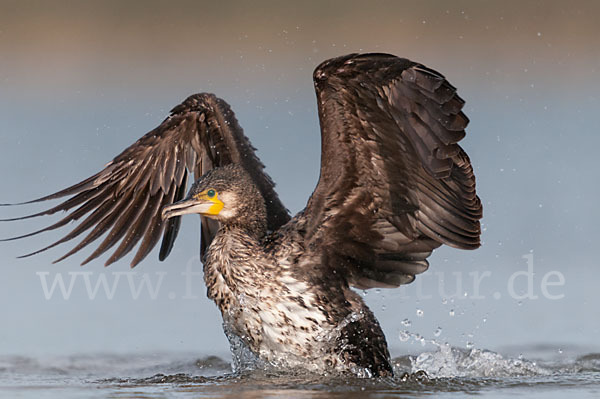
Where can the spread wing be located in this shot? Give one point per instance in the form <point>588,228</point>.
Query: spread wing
<point>126,197</point>
<point>394,183</point>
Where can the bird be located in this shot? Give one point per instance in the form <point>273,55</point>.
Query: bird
<point>394,185</point>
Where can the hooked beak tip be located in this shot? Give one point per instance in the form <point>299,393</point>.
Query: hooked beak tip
<point>171,210</point>
<point>184,207</point>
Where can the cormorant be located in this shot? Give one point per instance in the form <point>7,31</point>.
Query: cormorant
<point>394,185</point>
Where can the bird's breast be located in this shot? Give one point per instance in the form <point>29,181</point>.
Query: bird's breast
<point>277,315</point>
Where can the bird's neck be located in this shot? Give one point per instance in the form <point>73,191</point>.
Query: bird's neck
<point>248,227</point>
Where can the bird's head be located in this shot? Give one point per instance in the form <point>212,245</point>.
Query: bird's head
<point>227,194</point>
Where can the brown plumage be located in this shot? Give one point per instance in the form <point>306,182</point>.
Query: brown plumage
<point>394,185</point>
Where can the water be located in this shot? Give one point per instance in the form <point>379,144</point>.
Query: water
<point>446,372</point>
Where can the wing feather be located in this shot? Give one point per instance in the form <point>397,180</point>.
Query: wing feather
<point>394,183</point>
<point>124,200</point>
<point>102,218</point>
<point>173,224</point>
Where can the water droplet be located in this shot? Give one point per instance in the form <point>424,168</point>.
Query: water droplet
<point>406,323</point>
<point>419,313</point>
<point>560,351</point>
<point>383,307</point>
<point>485,319</point>
<point>444,301</point>
<point>519,303</point>
<point>404,336</point>
<point>438,332</point>
<point>469,345</point>
<point>451,312</point>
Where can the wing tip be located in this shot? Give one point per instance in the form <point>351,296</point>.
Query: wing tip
<point>27,202</point>
<point>20,203</point>
<point>19,237</point>
<point>22,217</point>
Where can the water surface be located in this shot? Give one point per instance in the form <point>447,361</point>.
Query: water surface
<point>446,372</point>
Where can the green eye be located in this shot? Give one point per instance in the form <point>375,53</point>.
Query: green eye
<point>211,193</point>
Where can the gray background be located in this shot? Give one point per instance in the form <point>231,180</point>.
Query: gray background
<point>80,82</point>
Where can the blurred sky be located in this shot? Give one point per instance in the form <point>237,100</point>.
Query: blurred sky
<point>80,81</point>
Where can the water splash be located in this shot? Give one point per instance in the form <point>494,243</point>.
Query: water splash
<point>404,336</point>
<point>243,358</point>
<point>451,362</point>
